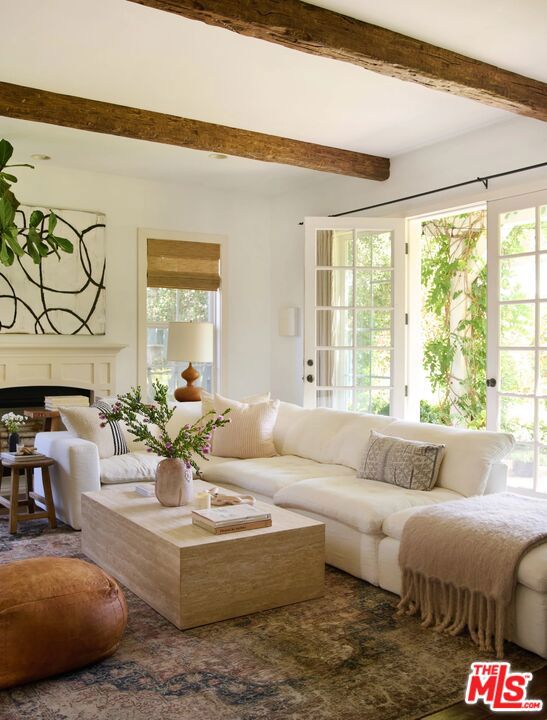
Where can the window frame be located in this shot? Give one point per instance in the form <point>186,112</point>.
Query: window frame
<point>220,311</point>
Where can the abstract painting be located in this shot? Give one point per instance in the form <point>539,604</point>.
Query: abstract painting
<point>63,295</point>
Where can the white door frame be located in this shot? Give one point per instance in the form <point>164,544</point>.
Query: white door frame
<point>397,226</point>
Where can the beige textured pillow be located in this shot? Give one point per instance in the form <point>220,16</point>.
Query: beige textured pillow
<point>86,424</point>
<point>208,400</point>
<point>250,431</point>
<point>407,463</point>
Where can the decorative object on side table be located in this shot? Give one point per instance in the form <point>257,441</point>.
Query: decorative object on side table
<point>191,341</point>
<point>13,424</point>
<point>148,423</point>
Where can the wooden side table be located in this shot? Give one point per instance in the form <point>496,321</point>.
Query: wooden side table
<point>51,418</point>
<point>13,503</point>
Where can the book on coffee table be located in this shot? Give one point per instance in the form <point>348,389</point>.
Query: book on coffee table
<point>232,518</point>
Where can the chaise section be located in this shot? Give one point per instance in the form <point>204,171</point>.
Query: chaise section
<point>530,602</point>
<point>267,476</point>
<point>358,503</point>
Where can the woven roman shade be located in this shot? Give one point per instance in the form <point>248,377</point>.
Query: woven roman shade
<point>183,265</point>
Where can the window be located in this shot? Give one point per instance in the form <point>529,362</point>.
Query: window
<point>183,282</point>
<point>165,305</point>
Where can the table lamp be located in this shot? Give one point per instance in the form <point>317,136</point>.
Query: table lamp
<point>192,341</point>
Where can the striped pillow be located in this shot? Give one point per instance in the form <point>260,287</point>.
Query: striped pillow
<point>250,431</point>
<point>85,422</point>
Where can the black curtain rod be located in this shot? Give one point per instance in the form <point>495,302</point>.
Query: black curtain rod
<point>484,180</point>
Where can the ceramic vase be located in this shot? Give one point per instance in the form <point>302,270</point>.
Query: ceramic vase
<point>174,483</point>
<point>13,441</point>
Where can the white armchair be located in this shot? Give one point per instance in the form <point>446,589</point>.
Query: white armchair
<point>76,470</point>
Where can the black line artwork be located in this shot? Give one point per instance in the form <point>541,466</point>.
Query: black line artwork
<point>62,295</point>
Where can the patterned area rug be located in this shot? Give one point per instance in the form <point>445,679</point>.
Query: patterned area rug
<point>344,656</point>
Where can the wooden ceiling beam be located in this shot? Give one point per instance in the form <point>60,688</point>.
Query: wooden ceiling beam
<point>27,103</point>
<point>311,29</point>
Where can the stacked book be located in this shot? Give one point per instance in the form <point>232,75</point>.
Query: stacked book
<point>22,458</point>
<point>232,518</point>
<point>53,402</point>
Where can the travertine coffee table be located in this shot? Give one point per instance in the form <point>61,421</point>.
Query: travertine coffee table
<point>193,577</point>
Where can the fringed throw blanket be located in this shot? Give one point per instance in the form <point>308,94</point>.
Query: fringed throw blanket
<point>460,559</point>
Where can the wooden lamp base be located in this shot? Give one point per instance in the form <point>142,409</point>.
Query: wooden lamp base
<point>190,392</point>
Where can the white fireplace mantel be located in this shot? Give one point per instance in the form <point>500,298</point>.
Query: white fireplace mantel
<point>92,367</point>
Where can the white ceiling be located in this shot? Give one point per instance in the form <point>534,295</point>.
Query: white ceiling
<point>121,52</point>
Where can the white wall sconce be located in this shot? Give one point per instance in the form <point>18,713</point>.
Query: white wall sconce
<point>288,322</point>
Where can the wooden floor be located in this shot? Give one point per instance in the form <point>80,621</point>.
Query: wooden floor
<point>537,690</point>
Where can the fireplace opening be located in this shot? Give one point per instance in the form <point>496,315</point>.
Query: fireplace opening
<point>31,397</point>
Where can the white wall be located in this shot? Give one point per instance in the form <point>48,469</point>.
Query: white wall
<point>132,203</point>
<point>497,148</point>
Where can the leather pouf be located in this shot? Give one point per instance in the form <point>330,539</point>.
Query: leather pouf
<point>56,614</point>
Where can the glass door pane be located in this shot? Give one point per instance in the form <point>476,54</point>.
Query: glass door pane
<point>518,335</point>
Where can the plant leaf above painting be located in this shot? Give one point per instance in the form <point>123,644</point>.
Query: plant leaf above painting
<point>50,283</point>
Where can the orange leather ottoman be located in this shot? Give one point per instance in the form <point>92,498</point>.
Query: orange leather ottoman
<point>56,614</point>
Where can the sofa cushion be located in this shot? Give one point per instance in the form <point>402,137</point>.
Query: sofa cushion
<point>268,475</point>
<point>140,466</point>
<point>532,570</point>
<point>326,436</point>
<point>468,457</point>
<point>132,467</point>
<point>361,504</point>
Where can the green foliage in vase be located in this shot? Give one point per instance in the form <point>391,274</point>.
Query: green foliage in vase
<point>454,278</point>
<point>36,238</point>
<point>148,423</point>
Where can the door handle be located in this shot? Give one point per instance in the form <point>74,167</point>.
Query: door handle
<point>491,382</point>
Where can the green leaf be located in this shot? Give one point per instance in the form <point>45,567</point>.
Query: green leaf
<point>63,243</point>
<point>7,256</point>
<point>7,213</point>
<point>13,242</point>
<point>51,223</point>
<point>6,151</point>
<point>8,177</point>
<point>33,252</point>
<point>36,218</point>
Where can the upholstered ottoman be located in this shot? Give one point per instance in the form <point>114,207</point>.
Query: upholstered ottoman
<point>56,614</point>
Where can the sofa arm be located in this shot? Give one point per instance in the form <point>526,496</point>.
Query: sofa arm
<point>497,478</point>
<point>76,470</point>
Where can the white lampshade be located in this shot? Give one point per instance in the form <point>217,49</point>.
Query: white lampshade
<point>190,341</point>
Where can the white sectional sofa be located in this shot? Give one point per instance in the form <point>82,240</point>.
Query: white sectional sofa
<point>315,474</point>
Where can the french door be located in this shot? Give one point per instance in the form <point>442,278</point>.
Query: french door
<point>355,314</point>
<point>517,333</point>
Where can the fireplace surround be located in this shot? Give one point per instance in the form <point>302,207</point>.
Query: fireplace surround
<point>29,372</point>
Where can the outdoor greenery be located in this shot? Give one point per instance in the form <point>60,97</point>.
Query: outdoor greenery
<point>17,238</point>
<point>454,351</point>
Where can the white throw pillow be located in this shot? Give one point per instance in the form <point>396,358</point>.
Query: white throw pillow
<point>249,434</point>
<point>85,422</point>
